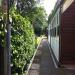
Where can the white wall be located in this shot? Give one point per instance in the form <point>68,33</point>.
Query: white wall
<point>55,46</point>
<point>55,40</point>
<point>49,33</point>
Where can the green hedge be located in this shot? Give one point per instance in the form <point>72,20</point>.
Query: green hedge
<point>22,43</point>
<point>2,30</point>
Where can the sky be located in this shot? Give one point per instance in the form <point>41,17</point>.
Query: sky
<point>49,5</point>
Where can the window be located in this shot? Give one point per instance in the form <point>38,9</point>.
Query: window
<point>53,32</point>
<point>57,18</point>
<point>57,30</point>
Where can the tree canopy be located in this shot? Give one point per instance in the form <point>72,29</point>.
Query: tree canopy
<point>36,15</point>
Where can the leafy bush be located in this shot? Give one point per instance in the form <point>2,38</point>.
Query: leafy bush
<point>22,42</point>
<point>2,30</point>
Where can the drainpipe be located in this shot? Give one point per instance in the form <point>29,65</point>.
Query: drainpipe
<point>60,17</point>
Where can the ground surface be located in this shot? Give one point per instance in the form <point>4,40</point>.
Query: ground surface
<point>43,63</point>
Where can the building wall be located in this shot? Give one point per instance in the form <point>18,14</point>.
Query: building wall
<point>54,34</point>
<point>68,35</point>
<point>49,34</point>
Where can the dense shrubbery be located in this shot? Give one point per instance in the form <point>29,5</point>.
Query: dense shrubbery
<point>22,33</point>
<point>2,30</point>
<point>22,42</point>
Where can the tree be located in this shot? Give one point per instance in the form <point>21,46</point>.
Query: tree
<point>28,8</point>
<point>39,20</point>
<point>25,7</point>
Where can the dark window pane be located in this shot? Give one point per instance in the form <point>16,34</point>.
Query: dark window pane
<point>58,31</point>
<point>53,32</point>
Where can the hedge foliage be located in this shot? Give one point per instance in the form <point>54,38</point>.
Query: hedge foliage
<point>22,42</point>
<point>2,30</point>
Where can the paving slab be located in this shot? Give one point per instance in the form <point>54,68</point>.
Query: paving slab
<point>43,63</point>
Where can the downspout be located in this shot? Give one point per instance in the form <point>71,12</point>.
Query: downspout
<point>60,17</point>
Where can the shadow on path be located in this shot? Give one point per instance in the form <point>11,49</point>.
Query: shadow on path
<point>43,63</point>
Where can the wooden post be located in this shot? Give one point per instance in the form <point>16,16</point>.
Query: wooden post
<point>7,54</point>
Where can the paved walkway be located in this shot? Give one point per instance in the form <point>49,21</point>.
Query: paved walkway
<point>43,63</point>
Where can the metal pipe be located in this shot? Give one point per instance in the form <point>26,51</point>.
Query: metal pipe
<point>7,53</point>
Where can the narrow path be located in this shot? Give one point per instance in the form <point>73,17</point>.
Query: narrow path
<point>43,63</point>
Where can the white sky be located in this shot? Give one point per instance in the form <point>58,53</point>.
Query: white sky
<point>49,5</point>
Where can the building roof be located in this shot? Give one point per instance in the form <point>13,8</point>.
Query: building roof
<point>58,3</point>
